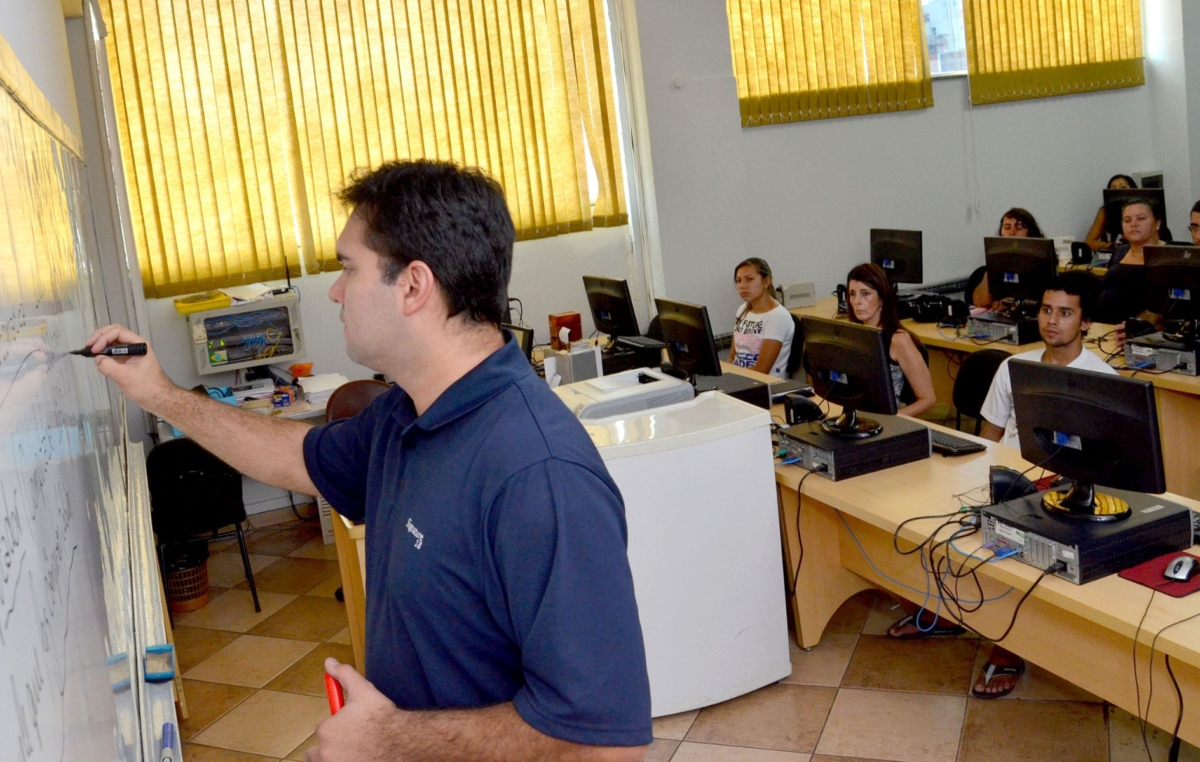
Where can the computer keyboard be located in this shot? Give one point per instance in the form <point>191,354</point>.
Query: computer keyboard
<point>641,342</point>
<point>948,444</point>
<point>949,287</point>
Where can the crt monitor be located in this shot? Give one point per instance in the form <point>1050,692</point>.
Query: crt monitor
<point>611,305</point>
<point>1173,286</point>
<point>688,335</point>
<point>1093,428</point>
<point>898,252</point>
<point>847,364</point>
<point>265,332</point>
<point>1019,268</point>
<point>1115,198</point>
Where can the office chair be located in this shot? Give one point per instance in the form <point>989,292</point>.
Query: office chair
<point>193,492</point>
<point>973,382</point>
<point>348,400</point>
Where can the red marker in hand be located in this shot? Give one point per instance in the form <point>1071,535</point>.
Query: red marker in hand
<point>334,689</point>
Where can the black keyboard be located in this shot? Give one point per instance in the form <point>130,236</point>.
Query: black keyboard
<point>949,287</point>
<point>948,444</point>
<point>640,342</point>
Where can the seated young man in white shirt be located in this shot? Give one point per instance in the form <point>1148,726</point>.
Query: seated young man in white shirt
<point>1063,319</point>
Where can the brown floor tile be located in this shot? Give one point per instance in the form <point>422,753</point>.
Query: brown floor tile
<point>674,726</point>
<point>328,588</point>
<point>229,543</point>
<point>207,702</point>
<point>342,636</point>
<point>1037,683</point>
<point>194,752</point>
<point>307,675</point>
<point>780,717</point>
<point>892,725</point>
<point>292,575</point>
<point>702,752</point>
<point>1125,740</point>
<point>1033,731</point>
<point>254,725</point>
<point>316,548</point>
<point>226,570</point>
<point>928,665</point>
<point>298,752</point>
<point>234,611</point>
<point>660,750</point>
<point>824,664</point>
<point>306,618</point>
<point>195,644</point>
<point>279,541</point>
<point>850,616</point>
<point>882,615</point>
<point>827,758</point>
<point>251,661</point>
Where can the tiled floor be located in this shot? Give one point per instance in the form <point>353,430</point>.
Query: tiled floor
<point>255,691</point>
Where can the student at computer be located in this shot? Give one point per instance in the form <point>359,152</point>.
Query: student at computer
<point>1064,317</point>
<point>1194,226</point>
<point>1123,294</point>
<point>1015,223</point>
<point>872,302</point>
<point>763,329</point>
<point>1097,236</point>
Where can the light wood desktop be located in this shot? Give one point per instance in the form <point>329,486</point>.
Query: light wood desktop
<point>1084,633</point>
<point>1178,395</point>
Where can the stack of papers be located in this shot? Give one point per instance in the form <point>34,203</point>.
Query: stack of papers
<point>318,388</point>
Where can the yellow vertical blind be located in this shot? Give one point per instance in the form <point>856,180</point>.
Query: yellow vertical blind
<point>797,60</point>
<point>240,119</point>
<point>1020,49</point>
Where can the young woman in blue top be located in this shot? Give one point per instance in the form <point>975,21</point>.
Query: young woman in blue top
<point>873,302</point>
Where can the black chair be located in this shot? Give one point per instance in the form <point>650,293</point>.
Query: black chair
<point>973,382</point>
<point>973,280</point>
<point>193,493</point>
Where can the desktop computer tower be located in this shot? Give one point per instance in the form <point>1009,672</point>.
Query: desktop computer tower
<point>901,441</point>
<point>1155,352</point>
<point>1090,550</point>
<point>990,326</point>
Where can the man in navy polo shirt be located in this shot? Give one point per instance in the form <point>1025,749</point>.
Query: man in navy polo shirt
<point>499,598</point>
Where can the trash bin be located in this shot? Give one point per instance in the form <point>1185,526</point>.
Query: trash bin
<point>187,576</point>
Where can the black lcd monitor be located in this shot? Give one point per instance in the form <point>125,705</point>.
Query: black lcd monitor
<point>611,305</point>
<point>1115,198</point>
<point>898,252</point>
<point>847,364</point>
<point>1019,268</point>
<point>1173,287</point>
<point>688,335</point>
<point>1093,428</point>
<point>523,337</point>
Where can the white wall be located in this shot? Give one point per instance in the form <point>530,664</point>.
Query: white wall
<point>1191,52</point>
<point>1166,80</point>
<point>36,32</point>
<point>804,195</point>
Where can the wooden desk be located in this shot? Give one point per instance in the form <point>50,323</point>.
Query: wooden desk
<point>1082,633</point>
<point>1178,395</point>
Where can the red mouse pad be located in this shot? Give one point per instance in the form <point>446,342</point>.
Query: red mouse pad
<point>1150,574</point>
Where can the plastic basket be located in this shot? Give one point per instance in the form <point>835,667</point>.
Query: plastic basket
<point>187,589</point>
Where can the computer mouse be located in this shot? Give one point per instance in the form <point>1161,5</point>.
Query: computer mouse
<point>800,409</point>
<point>1182,568</point>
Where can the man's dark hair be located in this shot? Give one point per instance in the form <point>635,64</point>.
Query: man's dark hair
<point>454,219</point>
<point>1081,284</point>
<point>1196,207</point>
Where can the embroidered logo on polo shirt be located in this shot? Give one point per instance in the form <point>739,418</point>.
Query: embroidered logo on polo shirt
<point>415,533</point>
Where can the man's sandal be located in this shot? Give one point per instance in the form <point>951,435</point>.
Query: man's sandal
<point>948,630</point>
<point>994,670</point>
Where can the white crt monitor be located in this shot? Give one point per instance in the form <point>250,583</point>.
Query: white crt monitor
<point>264,332</point>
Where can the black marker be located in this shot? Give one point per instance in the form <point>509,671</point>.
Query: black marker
<point>113,350</point>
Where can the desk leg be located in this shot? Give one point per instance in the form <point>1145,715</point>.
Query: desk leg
<point>352,590</point>
<point>823,585</point>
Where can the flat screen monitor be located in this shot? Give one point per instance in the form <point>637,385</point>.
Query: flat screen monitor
<point>898,252</point>
<point>688,335</point>
<point>1019,268</point>
<point>1115,198</point>
<point>523,337</point>
<point>611,305</point>
<point>1093,428</point>
<point>847,364</point>
<point>1173,283</point>
<point>266,332</point>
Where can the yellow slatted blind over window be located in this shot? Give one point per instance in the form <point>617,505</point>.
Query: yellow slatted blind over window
<point>240,119</point>
<point>796,60</point>
<point>1019,49</point>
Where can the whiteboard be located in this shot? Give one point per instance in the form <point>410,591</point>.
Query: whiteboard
<point>71,538</point>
